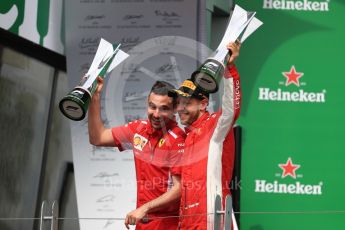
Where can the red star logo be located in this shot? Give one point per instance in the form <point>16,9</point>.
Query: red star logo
<point>289,168</point>
<point>292,76</point>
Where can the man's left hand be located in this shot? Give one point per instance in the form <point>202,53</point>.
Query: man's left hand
<point>135,216</point>
<point>234,47</point>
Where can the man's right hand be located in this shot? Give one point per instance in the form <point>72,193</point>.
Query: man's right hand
<point>100,83</point>
<point>234,48</point>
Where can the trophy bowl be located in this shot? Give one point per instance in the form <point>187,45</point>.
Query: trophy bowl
<point>74,105</point>
<point>208,75</point>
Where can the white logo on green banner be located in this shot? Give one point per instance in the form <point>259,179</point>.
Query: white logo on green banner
<point>292,77</point>
<point>289,169</point>
<point>304,5</point>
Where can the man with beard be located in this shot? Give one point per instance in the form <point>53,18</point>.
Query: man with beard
<point>157,144</point>
<point>209,146</point>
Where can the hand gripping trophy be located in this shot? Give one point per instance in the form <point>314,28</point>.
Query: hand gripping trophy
<point>75,104</point>
<point>208,75</point>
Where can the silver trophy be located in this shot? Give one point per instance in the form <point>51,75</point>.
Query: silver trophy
<point>75,104</point>
<point>242,24</point>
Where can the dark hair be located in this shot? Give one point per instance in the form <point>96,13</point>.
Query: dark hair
<point>162,88</point>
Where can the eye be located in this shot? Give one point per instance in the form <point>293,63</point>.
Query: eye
<point>164,109</point>
<point>152,106</point>
<point>185,103</point>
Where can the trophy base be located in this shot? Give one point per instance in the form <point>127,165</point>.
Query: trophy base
<point>74,105</point>
<point>208,76</point>
<point>205,82</point>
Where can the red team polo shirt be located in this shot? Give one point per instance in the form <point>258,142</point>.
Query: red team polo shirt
<point>156,155</point>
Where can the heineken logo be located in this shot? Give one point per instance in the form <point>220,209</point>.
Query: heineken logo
<point>267,94</point>
<point>305,5</point>
<point>294,188</point>
<point>292,77</point>
<point>288,170</point>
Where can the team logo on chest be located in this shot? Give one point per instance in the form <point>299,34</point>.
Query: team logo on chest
<point>139,142</point>
<point>161,142</point>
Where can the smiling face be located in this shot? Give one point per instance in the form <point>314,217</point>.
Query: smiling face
<point>190,109</point>
<point>160,110</point>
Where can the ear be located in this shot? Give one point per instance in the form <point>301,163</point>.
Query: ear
<point>203,104</point>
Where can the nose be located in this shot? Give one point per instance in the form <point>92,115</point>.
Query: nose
<point>180,107</point>
<point>156,113</point>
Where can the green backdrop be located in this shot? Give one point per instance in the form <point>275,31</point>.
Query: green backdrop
<point>292,72</point>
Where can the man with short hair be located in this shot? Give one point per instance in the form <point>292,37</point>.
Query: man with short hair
<point>209,147</point>
<point>157,145</point>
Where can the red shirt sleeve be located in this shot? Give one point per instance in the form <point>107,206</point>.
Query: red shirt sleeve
<point>123,135</point>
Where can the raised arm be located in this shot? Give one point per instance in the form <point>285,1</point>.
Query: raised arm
<point>98,134</point>
<point>231,99</point>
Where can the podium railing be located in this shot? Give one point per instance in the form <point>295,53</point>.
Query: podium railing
<point>223,218</point>
<point>49,216</point>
